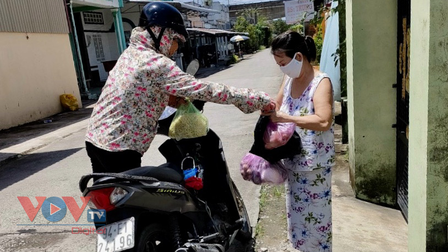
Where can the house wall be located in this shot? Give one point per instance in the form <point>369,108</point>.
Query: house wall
<point>428,127</point>
<point>35,69</point>
<point>371,71</point>
<point>219,20</point>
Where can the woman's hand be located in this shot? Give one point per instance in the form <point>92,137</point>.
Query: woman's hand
<point>176,101</point>
<point>278,116</point>
<point>268,109</point>
<point>246,173</point>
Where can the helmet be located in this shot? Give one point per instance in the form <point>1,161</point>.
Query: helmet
<point>163,15</point>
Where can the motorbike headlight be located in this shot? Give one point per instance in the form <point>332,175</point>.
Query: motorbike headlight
<point>117,194</point>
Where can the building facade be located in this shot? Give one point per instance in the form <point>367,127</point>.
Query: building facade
<point>36,60</point>
<point>397,111</point>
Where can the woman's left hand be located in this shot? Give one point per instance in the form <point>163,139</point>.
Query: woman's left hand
<point>278,116</point>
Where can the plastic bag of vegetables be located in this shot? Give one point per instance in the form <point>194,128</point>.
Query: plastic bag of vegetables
<point>278,134</point>
<point>188,122</point>
<point>68,102</point>
<point>256,169</point>
<point>289,150</point>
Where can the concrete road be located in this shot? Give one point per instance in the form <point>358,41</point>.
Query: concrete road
<point>54,170</point>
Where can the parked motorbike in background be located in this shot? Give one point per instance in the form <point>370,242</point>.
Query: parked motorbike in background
<point>152,209</point>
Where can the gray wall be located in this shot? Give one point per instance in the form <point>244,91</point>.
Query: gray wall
<point>33,16</point>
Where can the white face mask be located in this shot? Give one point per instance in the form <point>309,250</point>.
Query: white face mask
<point>293,68</point>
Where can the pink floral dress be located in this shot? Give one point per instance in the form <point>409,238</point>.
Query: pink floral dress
<point>138,89</point>
<point>308,189</point>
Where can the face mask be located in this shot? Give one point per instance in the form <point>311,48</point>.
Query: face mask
<point>293,68</point>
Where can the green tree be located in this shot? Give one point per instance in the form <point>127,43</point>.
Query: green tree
<point>251,15</point>
<point>254,38</point>
<point>319,42</point>
<point>259,32</point>
<point>279,26</point>
<point>241,24</point>
<point>297,28</point>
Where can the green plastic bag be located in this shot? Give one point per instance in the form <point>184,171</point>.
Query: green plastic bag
<point>188,122</point>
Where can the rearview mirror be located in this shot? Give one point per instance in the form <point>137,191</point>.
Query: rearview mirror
<point>193,67</point>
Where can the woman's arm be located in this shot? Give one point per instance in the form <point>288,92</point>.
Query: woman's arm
<point>178,83</point>
<point>323,110</point>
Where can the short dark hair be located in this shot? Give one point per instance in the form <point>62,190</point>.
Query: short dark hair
<point>291,42</point>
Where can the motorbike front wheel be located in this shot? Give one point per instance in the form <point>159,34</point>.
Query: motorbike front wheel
<point>154,239</point>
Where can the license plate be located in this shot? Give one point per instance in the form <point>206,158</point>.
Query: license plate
<point>117,236</point>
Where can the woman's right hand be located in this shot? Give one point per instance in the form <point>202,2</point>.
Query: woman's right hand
<point>246,173</point>
<point>268,109</point>
<point>175,101</point>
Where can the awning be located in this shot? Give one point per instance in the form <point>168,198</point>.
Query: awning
<point>214,31</point>
<point>103,4</point>
<point>180,6</point>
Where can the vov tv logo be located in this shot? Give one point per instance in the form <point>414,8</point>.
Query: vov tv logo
<point>54,209</point>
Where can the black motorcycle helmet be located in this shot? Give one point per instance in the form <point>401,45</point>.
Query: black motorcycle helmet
<point>163,15</point>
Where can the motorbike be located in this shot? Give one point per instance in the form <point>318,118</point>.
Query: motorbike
<point>152,209</point>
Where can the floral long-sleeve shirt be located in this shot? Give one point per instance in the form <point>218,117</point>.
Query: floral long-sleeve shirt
<point>137,92</point>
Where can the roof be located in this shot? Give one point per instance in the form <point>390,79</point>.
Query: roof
<point>96,3</point>
<point>197,8</point>
<point>215,31</point>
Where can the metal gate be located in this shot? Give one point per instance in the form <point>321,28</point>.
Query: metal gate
<point>402,125</point>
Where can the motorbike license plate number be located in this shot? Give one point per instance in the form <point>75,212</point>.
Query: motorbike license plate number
<point>117,236</point>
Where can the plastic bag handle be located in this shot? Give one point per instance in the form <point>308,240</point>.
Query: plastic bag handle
<point>183,160</point>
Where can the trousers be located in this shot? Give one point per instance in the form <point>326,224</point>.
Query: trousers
<point>108,161</point>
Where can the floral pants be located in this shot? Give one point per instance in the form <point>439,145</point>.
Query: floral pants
<point>308,204</point>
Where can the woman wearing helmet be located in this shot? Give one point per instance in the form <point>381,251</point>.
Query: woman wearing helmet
<point>124,120</point>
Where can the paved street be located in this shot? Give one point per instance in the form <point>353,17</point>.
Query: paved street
<point>54,170</point>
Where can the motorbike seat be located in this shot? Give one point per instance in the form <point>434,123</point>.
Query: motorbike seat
<point>165,172</point>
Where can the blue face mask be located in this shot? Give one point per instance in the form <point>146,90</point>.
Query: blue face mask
<point>293,68</point>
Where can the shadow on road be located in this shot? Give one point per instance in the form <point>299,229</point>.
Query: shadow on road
<point>28,165</point>
<point>23,133</point>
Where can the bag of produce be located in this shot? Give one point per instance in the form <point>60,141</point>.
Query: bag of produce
<point>188,122</point>
<point>278,134</point>
<point>256,169</point>
<point>292,147</point>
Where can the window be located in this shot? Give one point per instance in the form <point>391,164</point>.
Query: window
<point>93,18</point>
<point>98,44</point>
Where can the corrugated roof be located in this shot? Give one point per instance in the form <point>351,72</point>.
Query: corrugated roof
<point>214,31</point>
<point>34,16</point>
